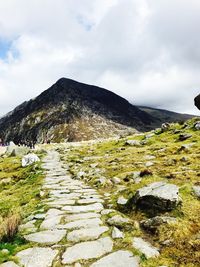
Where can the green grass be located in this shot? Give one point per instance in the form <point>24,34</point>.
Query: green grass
<point>20,196</point>
<point>172,165</point>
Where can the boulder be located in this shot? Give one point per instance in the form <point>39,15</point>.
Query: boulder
<point>133,143</point>
<point>197,125</point>
<point>158,196</point>
<point>197,101</point>
<point>184,136</point>
<point>29,159</point>
<point>153,223</point>
<point>146,248</point>
<point>165,126</point>
<point>196,190</point>
<point>14,151</point>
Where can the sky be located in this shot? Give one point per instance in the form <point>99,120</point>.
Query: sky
<point>147,51</point>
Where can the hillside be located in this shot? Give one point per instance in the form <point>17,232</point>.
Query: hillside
<point>130,201</point>
<point>165,115</point>
<point>117,169</point>
<point>73,111</point>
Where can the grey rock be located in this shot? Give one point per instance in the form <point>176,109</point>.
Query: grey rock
<point>49,237</point>
<point>146,248</point>
<point>197,190</point>
<point>86,223</point>
<point>50,223</point>
<point>37,257</point>
<point>184,136</point>
<point>118,259</point>
<point>97,207</point>
<point>75,217</point>
<point>116,233</point>
<point>122,201</point>
<point>133,143</point>
<point>29,159</point>
<point>87,234</point>
<point>9,264</point>
<point>153,223</point>
<point>197,125</point>
<point>158,196</point>
<point>119,221</point>
<point>116,180</point>
<point>87,250</point>
<point>13,150</point>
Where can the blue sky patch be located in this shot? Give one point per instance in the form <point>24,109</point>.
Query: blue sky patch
<point>4,48</point>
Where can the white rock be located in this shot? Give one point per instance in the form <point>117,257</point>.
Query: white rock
<point>90,200</point>
<point>118,220</point>
<point>116,180</point>
<point>53,212</point>
<point>146,248</point>
<point>107,211</point>
<point>97,207</point>
<point>119,258</point>
<point>9,264</point>
<point>37,257</point>
<point>116,233</point>
<point>75,217</point>
<point>87,250</point>
<point>86,234</point>
<point>29,159</point>
<point>50,223</point>
<point>87,223</point>
<point>122,201</point>
<point>46,237</point>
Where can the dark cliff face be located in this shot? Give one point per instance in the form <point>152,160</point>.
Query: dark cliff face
<point>197,101</point>
<point>73,111</point>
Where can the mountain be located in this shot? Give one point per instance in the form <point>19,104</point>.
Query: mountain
<point>73,111</point>
<point>165,115</point>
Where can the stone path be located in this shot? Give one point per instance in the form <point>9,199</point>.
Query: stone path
<point>70,231</point>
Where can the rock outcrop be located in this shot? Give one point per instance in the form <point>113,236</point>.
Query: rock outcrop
<point>158,196</point>
<point>197,101</point>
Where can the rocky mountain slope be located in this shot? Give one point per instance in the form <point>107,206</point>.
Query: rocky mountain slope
<point>73,111</point>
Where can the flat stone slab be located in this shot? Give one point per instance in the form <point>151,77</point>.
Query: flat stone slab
<point>97,207</point>
<point>87,250</point>
<point>87,234</point>
<point>9,264</point>
<point>90,200</point>
<point>118,259</point>
<point>53,212</point>
<point>37,257</point>
<point>61,202</point>
<point>48,237</point>
<point>86,223</point>
<point>158,196</point>
<point>146,248</point>
<point>75,217</point>
<point>50,223</point>
<point>118,220</point>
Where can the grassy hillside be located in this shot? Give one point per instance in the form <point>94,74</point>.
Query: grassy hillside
<point>19,196</point>
<point>160,157</point>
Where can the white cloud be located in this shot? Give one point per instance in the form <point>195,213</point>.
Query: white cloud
<point>146,51</point>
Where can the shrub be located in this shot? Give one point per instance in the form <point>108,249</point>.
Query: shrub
<point>9,227</point>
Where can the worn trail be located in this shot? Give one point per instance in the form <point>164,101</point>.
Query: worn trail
<point>71,231</point>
